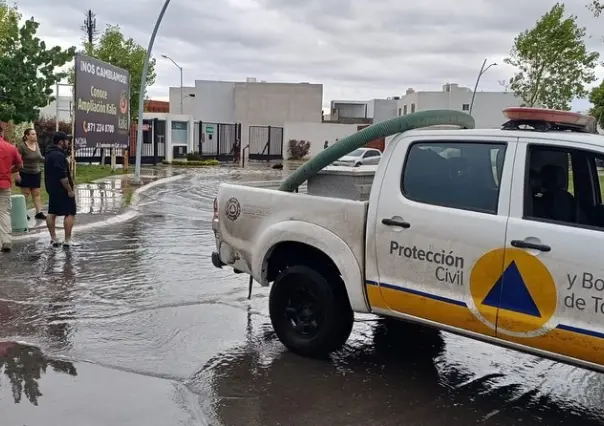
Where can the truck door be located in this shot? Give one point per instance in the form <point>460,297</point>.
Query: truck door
<point>440,223</point>
<point>552,291</point>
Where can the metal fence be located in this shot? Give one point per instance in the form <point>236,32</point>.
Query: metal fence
<point>153,150</point>
<point>266,143</point>
<point>216,140</point>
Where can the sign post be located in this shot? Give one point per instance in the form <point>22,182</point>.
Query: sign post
<point>101,105</point>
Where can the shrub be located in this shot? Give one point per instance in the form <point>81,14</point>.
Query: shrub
<point>46,127</point>
<point>298,149</point>
<point>194,156</point>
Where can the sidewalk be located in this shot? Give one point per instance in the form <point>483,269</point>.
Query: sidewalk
<point>103,202</point>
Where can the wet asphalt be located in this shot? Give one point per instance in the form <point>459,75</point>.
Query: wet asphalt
<point>135,327</point>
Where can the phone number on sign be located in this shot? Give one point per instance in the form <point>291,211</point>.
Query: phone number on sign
<point>100,128</point>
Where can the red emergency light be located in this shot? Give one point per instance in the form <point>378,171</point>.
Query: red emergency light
<point>549,119</point>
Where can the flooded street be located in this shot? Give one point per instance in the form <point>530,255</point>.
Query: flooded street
<point>136,327</point>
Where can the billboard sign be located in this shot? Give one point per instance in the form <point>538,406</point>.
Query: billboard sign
<point>102,104</point>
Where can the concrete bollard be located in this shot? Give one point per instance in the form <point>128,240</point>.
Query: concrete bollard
<point>18,213</point>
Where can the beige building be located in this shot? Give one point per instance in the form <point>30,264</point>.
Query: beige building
<point>252,104</point>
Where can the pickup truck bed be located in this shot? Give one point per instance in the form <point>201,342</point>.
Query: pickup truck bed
<point>255,219</point>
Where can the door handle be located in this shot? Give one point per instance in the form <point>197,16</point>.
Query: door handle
<point>392,222</point>
<point>529,245</point>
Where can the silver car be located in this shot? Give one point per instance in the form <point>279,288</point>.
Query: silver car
<point>359,157</point>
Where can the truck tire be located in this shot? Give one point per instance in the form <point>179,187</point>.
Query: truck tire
<point>310,316</point>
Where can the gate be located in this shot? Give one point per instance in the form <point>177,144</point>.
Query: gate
<point>266,143</point>
<point>154,142</point>
<point>154,135</point>
<point>216,140</point>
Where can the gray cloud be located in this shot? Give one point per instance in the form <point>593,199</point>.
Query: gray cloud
<point>357,49</point>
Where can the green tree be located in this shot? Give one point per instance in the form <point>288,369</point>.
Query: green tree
<point>596,97</point>
<point>113,48</point>
<point>553,64</point>
<point>597,7</point>
<point>9,23</point>
<point>28,69</point>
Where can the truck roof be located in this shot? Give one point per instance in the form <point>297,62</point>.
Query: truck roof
<point>577,137</point>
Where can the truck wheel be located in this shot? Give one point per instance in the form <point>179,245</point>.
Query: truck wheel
<point>310,316</point>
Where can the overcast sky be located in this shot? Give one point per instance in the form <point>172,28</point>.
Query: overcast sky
<point>358,49</point>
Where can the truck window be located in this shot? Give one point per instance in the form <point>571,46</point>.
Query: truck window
<point>457,175</point>
<point>564,186</point>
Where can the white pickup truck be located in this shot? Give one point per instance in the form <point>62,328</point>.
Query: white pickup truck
<point>496,235</point>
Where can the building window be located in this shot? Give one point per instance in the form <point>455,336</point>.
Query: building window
<point>412,108</point>
<point>465,107</point>
<point>405,110</point>
<point>179,132</point>
<point>399,111</point>
<point>457,175</point>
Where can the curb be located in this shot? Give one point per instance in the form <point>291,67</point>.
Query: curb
<point>130,213</point>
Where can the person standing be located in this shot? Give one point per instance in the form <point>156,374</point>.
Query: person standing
<point>236,152</point>
<point>29,178</point>
<point>59,185</point>
<point>10,162</point>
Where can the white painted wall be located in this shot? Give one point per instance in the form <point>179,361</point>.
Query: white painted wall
<point>174,117</point>
<point>382,109</point>
<point>487,110</point>
<point>274,104</point>
<point>215,101</point>
<point>316,134</point>
<point>188,101</point>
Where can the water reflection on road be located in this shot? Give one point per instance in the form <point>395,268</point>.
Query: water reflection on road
<point>135,327</point>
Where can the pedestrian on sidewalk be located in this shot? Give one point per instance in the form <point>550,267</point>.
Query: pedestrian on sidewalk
<point>60,188</point>
<point>10,162</point>
<point>29,178</point>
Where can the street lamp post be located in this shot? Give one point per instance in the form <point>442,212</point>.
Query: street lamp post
<point>141,96</point>
<point>180,68</point>
<point>482,71</point>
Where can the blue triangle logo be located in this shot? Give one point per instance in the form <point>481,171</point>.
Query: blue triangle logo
<point>510,293</point>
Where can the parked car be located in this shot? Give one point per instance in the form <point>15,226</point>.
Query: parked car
<point>493,234</point>
<point>360,157</point>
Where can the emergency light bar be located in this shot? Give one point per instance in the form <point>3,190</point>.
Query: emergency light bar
<point>542,119</point>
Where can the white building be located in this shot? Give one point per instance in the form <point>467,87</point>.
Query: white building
<point>188,100</point>
<point>373,111</point>
<point>382,109</point>
<point>64,109</point>
<point>487,109</point>
<point>348,110</point>
<point>250,103</point>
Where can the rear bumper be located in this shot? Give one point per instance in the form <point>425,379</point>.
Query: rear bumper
<point>216,260</point>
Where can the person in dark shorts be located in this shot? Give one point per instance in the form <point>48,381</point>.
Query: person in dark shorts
<point>59,185</point>
<point>29,178</point>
